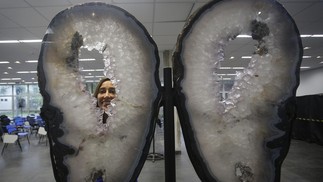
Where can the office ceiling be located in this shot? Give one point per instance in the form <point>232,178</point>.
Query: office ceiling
<point>164,19</point>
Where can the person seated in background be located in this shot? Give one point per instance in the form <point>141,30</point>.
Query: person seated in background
<point>4,121</point>
<point>105,92</point>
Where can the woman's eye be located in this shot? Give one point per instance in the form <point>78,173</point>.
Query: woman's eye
<point>102,91</point>
<point>112,90</point>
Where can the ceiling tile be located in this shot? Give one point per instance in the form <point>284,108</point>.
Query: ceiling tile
<point>311,13</point>
<point>13,4</point>
<point>6,23</point>
<point>143,12</point>
<point>204,1</point>
<point>133,1</point>
<point>175,1</point>
<point>37,3</point>
<point>314,43</point>
<point>38,32</point>
<point>166,39</point>
<point>50,12</point>
<point>293,8</point>
<point>173,28</point>
<point>166,47</point>
<point>149,27</point>
<point>19,52</point>
<point>168,12</point>
<point>74,2</point>
<point>196,7</point>
<point>16,34</point>
<point>309,27</point>
<point>24,17</point>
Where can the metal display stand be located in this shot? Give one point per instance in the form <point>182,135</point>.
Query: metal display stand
<point>155,156</point>
<point>169,134</point>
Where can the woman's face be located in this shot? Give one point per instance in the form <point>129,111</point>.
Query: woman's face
<point>107,92</point>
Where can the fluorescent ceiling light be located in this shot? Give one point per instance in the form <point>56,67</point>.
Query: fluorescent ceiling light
<point>317,35</point>
<point>99,70</point>
<point>321,62</point>
<point>225,68</point>
<point>6,79</point>
<point>5,73</point>
<point>18,62</point>
<point>8,41</point>
<point>9,68</point>
<point>87,59</point>
<point>244,36</point>
<point>237,68</point>
<point>304,36</point>
<point>229,68</point>
<point>225,78</point>
<point>306,57</point>
<point>15,78</point>
<point>88,70</point>
<point>31,61</point>
<point>4,62</point>
<point>19,41</point>
<point>306,48</point>
<point>318,57</point>
<point>8,83</point>
<point>26,71</point>
<point>232,57</point>
<point>305,67</point>
<point>245,57</point>
<point>90,81</point>
<point>30,41</point>
<point>227,74</point>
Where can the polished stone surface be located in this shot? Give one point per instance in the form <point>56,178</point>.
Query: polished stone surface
<point>304,163</point>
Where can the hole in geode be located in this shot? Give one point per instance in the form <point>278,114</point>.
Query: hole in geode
<point>92,68</point>
<point>234,63</point>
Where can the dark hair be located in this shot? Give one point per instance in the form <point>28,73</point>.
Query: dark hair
<point>96,92</point>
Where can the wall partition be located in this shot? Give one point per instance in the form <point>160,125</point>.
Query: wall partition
<point>24,99</point>
<point>19,100</point>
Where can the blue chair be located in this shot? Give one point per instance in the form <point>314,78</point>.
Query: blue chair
<point>40,121</point>
<point>34,125</point>
<point>19,121</point>
<point>12,129</point>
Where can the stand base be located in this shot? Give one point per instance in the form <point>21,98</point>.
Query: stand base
<point>155,156</point>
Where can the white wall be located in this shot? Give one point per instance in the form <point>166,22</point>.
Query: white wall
<point>311,82</point>
<point>5,103</point>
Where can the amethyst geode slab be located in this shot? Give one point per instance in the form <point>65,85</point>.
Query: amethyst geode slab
<point>246,136</point>
<point>82,148</point>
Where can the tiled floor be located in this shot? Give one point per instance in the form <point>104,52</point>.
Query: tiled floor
<point>304,163</point>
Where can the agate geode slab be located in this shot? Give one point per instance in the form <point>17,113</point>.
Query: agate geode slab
<point>83,148</point>
<point>246,136</point>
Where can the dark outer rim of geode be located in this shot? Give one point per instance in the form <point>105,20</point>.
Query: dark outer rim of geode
<point>53,116</point>
<point>286,110</point>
